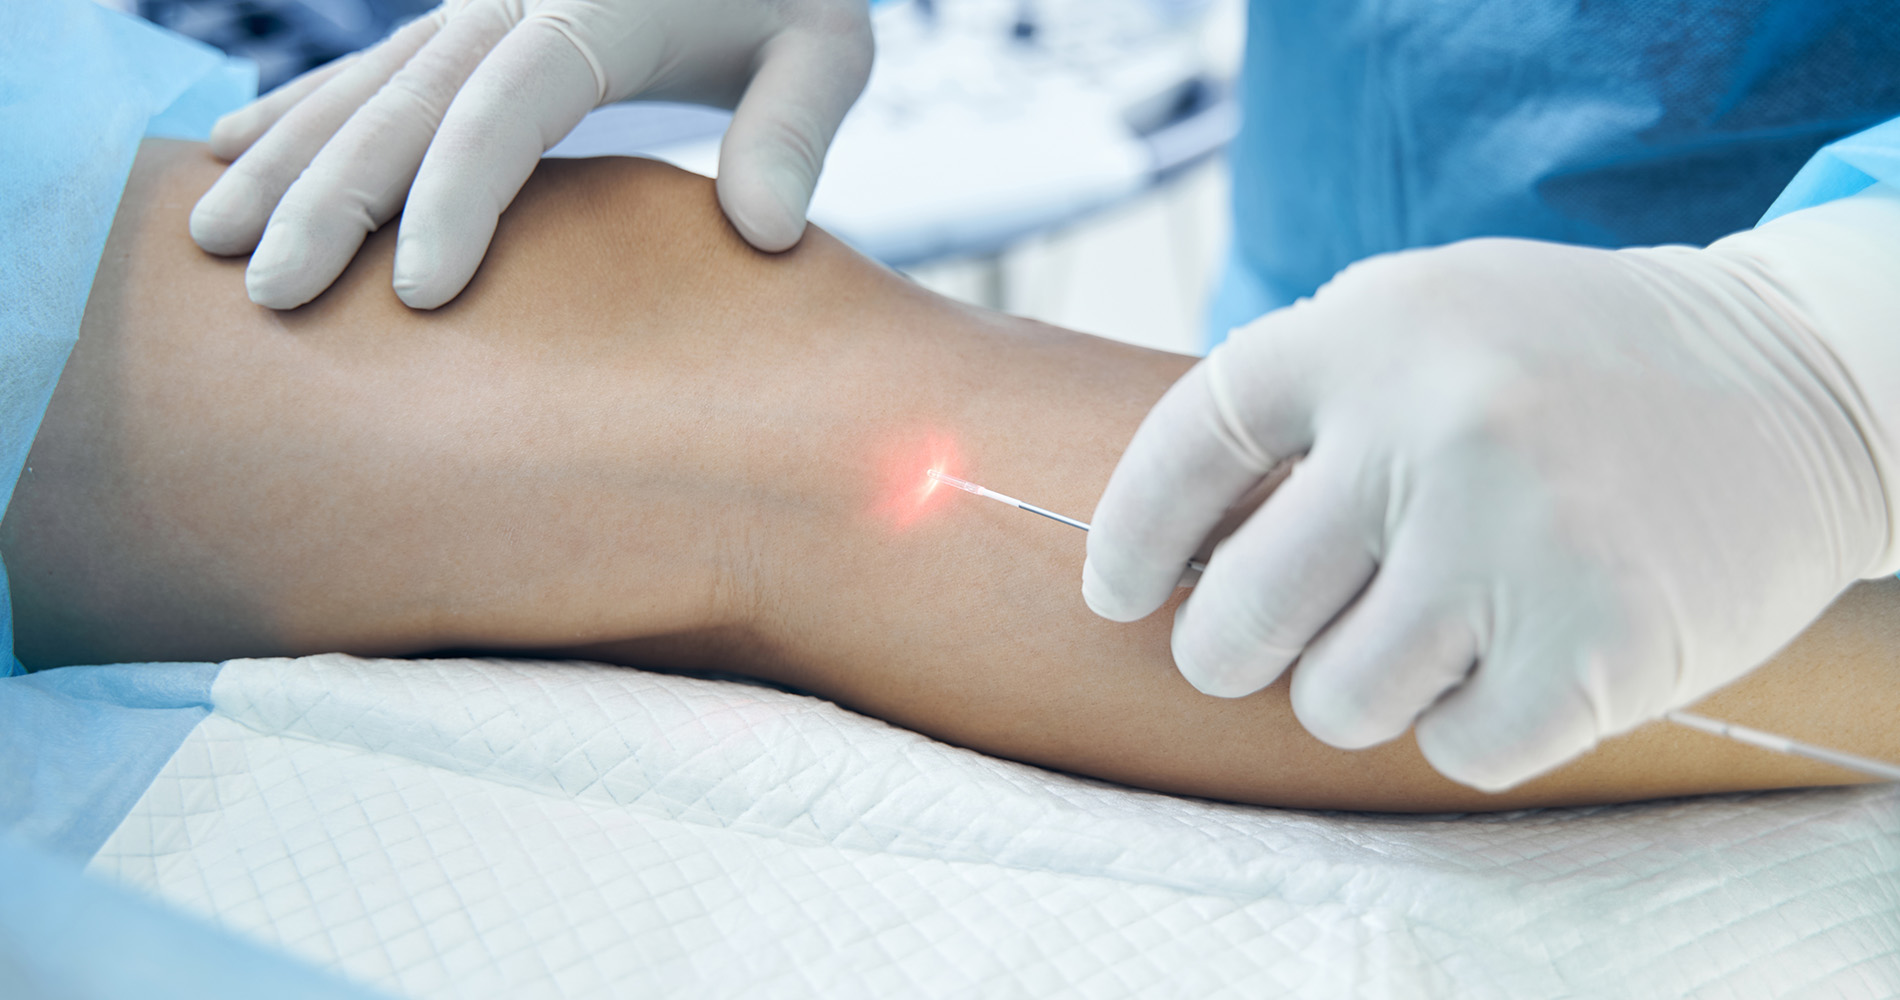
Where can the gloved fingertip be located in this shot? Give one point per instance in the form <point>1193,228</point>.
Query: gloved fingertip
<point>1211,662</point>
<point>438,250</point>
<point>418,292</point>
<point>1490,780</point>
<point>415,266</point>
<point>768,231</point>
<point>1334,717</point>
<point>272,291</point>
<point>225,221</point>
<point>231,135</point>
<point>277,286</point>
<point>1471,755</point>
<point>231,217</point>
<point>1108,600</point>
<point>767,208</point>
<point>420,281</point>
<point>776,238</point>
<point>292,264</point>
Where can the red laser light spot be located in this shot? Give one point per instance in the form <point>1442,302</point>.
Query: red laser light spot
<point>905,493</point>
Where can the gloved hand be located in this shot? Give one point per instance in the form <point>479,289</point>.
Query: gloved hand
<point>1548,492</point>
<point>483,88</point>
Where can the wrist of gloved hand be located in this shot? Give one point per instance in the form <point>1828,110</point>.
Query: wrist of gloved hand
<point>1834,271</point>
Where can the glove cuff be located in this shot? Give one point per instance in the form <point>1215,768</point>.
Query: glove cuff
<point>1837,268</point>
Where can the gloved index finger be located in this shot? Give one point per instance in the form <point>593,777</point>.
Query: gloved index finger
<point>533,87</point>
<point>358,180</point>
<point>771,156</point>
<point>1196,454</point>
<point>230,217</point>
<point>234,133</point>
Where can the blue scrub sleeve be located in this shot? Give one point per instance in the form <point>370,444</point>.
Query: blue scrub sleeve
<point>1843,168</point>
<point>1370,126</point>
<point>79,86</point>
<point>1839,169</point>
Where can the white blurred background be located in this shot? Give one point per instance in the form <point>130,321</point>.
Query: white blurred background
<point>1058,159</point>
<point>1140,266</point>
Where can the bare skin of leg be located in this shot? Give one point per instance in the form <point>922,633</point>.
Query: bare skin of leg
<point>635,439</point>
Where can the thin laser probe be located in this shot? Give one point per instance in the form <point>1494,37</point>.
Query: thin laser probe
<point>1782,744</point>
<point>969,487</point>
<point>1740,734</point>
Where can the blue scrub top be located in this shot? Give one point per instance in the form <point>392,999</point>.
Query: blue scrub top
<point>1377,125</point>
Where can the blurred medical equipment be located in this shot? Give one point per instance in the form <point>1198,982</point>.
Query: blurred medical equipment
<point>985,121</point>
<point>1613,480</point>
<point>283,37</point>
<point>966,486</point>
<point>444,121</point>
<point>1781,744</point>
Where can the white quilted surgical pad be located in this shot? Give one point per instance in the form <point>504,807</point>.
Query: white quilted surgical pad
<point>471,828</point>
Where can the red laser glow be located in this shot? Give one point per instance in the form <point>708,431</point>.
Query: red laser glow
<point>905,491</point>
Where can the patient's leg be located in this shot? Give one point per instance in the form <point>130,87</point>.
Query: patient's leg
<point>636,439</point>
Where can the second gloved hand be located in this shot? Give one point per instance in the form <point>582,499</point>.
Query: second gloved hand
<point>453,111</point>
<point>1547,492</point>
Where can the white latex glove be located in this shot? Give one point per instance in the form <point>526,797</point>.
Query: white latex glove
<point>483,88</point>
<point>1548,492</point>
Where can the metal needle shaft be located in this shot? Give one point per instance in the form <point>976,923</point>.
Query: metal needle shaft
<point>984,491</point>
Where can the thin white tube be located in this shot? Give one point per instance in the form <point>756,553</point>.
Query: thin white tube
<point>983,491</point>
<point>1782,744</point>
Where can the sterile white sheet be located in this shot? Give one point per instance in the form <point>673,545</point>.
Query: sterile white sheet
<point>495,828</point>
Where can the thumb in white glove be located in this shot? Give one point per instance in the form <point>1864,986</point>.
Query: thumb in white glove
<point>1548,492</point>
<point>453,111</point>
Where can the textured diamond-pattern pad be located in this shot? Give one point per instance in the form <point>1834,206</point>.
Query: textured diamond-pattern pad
<point>468,828</point>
